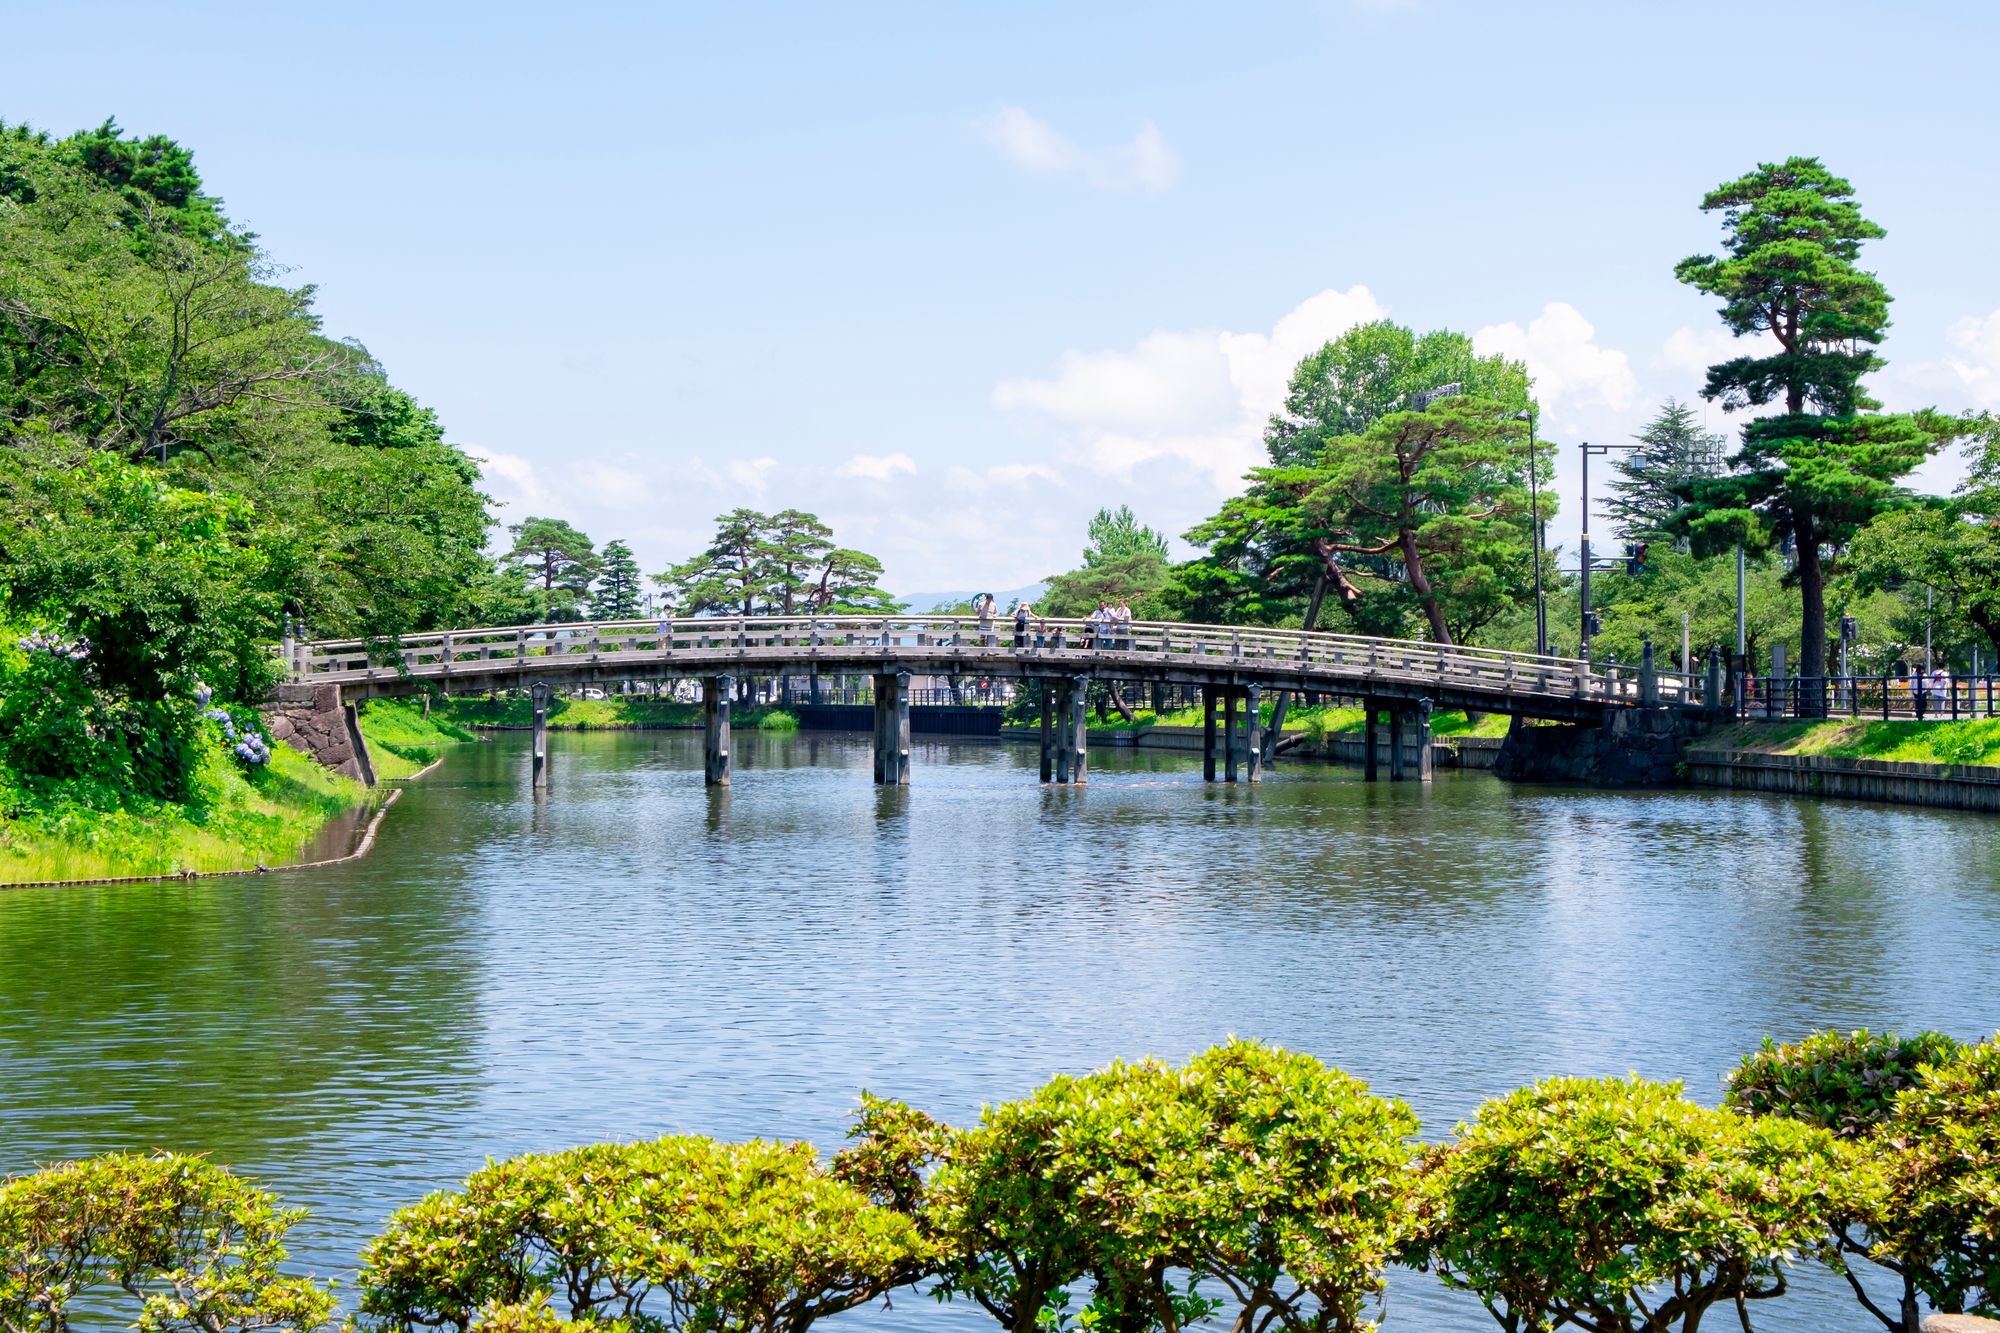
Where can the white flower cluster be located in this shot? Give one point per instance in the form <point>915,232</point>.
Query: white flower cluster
<point>250,745</point>
<point>40,642</point>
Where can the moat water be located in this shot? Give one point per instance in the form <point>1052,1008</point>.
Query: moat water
<point>634,955</point>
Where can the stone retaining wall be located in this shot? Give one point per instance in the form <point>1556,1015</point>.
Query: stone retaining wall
<point>1947,786</point>
<point>313,720</point>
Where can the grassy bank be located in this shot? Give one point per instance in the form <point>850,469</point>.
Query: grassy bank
<point>239,818</point>
<point>238,821</point>
<point>402,741</point>
<point>600,714</point>
<point>1913,742</point>
<point>1321,720</point>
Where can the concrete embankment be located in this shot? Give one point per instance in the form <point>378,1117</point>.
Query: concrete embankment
<point>1946,786</point>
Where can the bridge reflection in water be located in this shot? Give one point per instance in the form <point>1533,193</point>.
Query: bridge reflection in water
<point>1234,667</point>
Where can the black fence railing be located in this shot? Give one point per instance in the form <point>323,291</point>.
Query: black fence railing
<point>1881,697</point>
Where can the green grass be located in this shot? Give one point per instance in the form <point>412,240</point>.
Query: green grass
<point>600,714</point>
<point>1323,719</point>
<point>1912,742</point>
<point>402,741</point>
<point>241,820</point>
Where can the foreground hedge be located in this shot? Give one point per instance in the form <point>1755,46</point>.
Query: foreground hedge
<point>1251,1184</point>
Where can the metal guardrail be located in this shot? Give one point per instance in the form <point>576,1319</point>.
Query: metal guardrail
<point>1066,645</point>
<point>1879,697</point>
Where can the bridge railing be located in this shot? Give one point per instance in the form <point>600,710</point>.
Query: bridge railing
<point>1063,643</point>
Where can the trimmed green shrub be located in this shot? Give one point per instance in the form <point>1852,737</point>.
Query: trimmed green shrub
<point>176,1244</point>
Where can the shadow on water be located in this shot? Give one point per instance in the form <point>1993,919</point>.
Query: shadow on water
<point>633,953</point>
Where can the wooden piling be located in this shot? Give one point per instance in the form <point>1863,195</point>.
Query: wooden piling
<point>1230,738</point>
<point>1080,730</point>
<point>539,692</point>
<point>1048,698</point>
<point>1208,733</point>
<point>1253,750</point>
<point>1371,745</point>
<point>717,696</point>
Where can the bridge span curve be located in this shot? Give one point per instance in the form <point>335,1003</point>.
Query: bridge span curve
<point>1233,666</point>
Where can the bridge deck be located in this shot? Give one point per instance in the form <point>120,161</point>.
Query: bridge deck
<point>1481,679</point>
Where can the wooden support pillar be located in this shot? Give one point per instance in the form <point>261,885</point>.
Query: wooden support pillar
<point>1208,733</point>
<point>539,692</point>
<point>892,728</point>
<point>902,721</point>
<point>1370,743</point>
<point>1230,737</point>
<point>717,694</point>
<point>1396,742</point>
<point>1425,761</point>
<point>1079,719</point>
<point>1253,726</point>
<point>1049,731</point>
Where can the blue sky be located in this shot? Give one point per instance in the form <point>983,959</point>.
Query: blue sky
<point>953,275</point>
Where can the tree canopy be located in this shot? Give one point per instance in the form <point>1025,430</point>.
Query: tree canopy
<point>775,564</point>
<point>1826,461</point>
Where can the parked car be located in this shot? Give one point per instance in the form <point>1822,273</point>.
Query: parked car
<point>591,693</point>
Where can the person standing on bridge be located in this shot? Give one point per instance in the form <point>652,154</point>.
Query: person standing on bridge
<point>1021,613</point>
<point>985,609</point>
<point>1121,618</point>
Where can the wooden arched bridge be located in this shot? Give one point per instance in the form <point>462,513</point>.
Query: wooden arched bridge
<point>1234,667</point>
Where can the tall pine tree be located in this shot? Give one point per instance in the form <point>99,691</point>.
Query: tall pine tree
<point>1674,452</point>
<point>616,596</point>
<point>1827,460</point>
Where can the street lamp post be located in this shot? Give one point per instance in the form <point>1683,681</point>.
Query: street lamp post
<point>1535,511</point>
<point>1583,626</point>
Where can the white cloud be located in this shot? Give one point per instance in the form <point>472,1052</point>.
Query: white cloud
<point>509,478</point>
<point>1195,401</point>
<point>1572,373</point>
<point>1148,162</point>
<point>752,474</point>
<point>877,467</point>
<point>1977,367</point>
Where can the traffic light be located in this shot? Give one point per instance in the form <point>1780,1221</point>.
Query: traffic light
<point>1592,626</point>
<point>1635,558</point>
<point>1849,630</point>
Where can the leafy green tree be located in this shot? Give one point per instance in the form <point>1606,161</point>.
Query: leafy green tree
<point>137,349</point>
<point>731,575</point>
<point>166,585</point>
<point>154,175</point>
<point>1674,452</point>
<point>1123,561</point>
<point>682,1233</point>
<point>849,583</point>
<point>1376,369</point>
<point>1269,558</point>
<point>1619,1206</point>
<point>173,1244</point>
<point>1936,1216</point>
<point>1849,1083</point>
<point>1826,462</point>
<point>558,562</point>
<point>1439,496</point>
<point>796,546</point>
<point>776,564</point>
<point>1255,1169</point>
<point>1951,548</point>
<point>616,596</point>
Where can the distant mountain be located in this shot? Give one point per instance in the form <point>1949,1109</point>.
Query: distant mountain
<point>931,601</point>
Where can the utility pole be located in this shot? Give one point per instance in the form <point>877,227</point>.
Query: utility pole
<point>1583,641</point>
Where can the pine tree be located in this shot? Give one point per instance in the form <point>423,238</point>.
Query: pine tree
<point>616,596</point>
<point>1828,460</point>
<point>1673,452</point>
